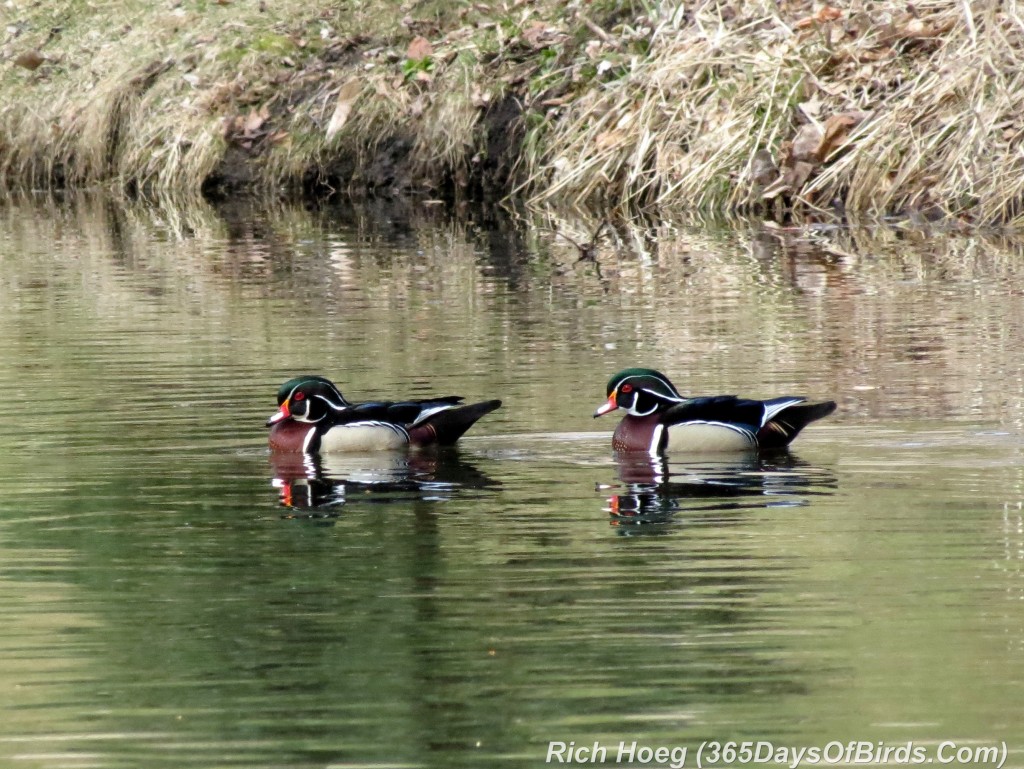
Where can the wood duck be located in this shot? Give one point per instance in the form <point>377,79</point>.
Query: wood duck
<point>659,419</point>
<point>313,417</point>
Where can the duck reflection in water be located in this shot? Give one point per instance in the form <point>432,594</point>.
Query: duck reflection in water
<point>316,486</point>
<point>656,491</point>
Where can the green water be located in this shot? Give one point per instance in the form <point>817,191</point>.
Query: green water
<point>170,597</point>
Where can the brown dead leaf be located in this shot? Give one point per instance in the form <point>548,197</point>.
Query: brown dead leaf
<point>777,188</point>
<point>915,28</point>
<point>608,139</point>
<point>538,35</point>
<point>912,28</point>
<point>245,130</point>
<point>805,143</point>
<point>30,60</point>
<point>825,14</point>
<point>419,48</point>
<point>918,29</point>
<point>533,34</point>
<point>254,121</point>
<point>811,107</point>
<point>762,168</point>
<point>836,130</point>
<point>879,54</point>
<point>798,175</point>
<point>347,97</point>
<point>837,127</point>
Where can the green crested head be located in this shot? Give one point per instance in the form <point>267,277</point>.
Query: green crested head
<point>639,392</point>
<point>308,398</point>
<point>294,383</point>
<point>643,379</point>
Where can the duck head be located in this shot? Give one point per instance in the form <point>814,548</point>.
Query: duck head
<point>639,392</point>
<point>308,398</point>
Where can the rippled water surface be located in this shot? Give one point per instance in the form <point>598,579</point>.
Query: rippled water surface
<point>170,596</point>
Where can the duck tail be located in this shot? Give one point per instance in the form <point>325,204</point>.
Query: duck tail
<point>782,428</point>
<point>446,427</point>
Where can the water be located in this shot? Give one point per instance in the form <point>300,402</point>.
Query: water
<point>172,597</point>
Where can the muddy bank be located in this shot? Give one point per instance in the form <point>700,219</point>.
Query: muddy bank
<point>784,109</point>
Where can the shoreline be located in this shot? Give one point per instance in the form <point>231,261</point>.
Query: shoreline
<point>781,110</point>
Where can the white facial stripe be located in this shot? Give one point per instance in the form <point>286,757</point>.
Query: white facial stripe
<point>633,410</point>
<point>668,386</point>
<point>331,403</point>
<point>328,401</point>
<point>305,417</point>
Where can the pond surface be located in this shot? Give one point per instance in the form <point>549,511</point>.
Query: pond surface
<point>172,597</point>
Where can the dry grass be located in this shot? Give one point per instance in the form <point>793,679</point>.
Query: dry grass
<point>157,101</point>
<point>870,108</point>
<point>879,108</point>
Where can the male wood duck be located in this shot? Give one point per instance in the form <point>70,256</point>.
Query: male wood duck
<point>314,417</point>
<point>659,419</point>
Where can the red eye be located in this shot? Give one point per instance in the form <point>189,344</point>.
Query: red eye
<point>299,396</point>
<point>626,388</point>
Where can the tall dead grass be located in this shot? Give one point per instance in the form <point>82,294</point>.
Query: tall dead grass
<point>871,108</point>
<point>159,101</point>
<point>866,108</point>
